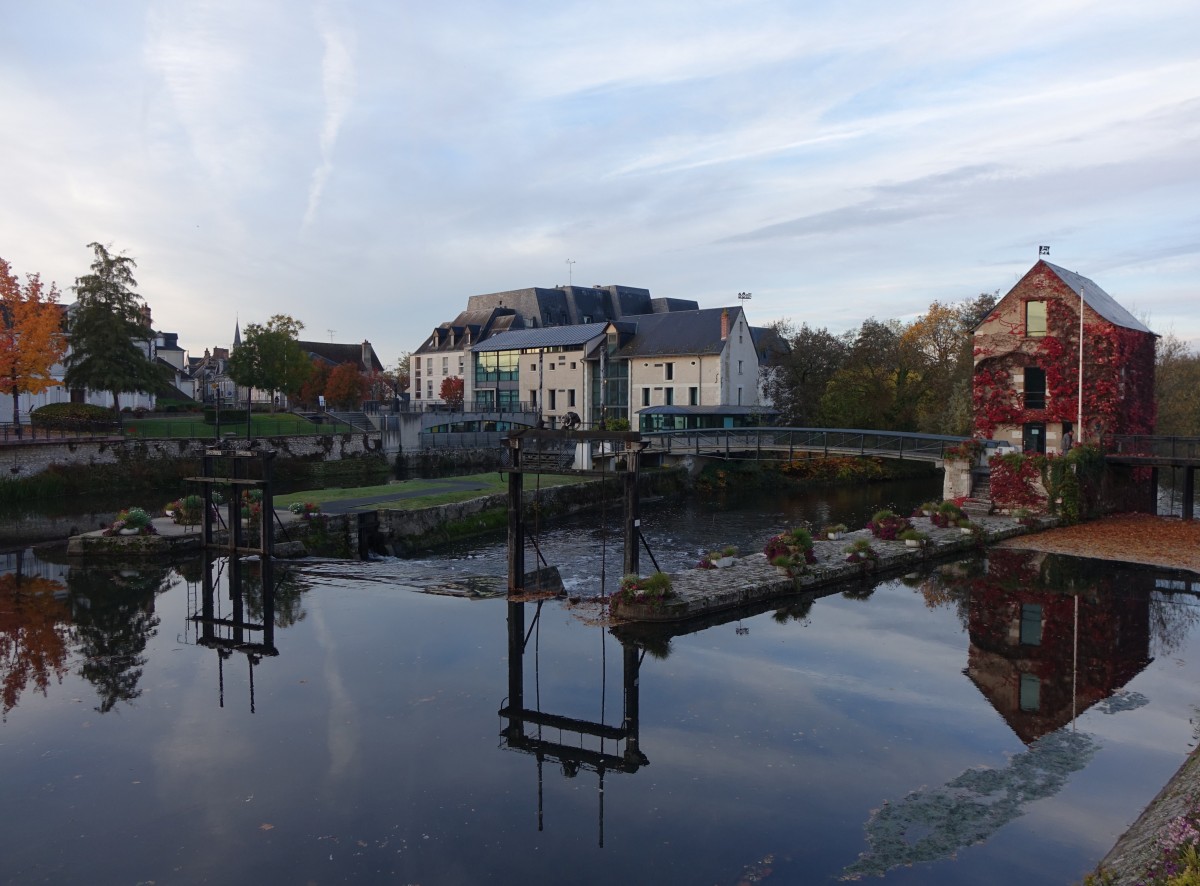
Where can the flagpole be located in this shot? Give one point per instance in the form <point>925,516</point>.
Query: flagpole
<point>1079,414</point>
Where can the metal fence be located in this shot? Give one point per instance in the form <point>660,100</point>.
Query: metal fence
<point>174,430</point>
<point>1181,449</point>
<point>769,443</point>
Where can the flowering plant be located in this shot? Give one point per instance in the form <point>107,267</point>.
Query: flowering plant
<point>651,589</point>
<point>860,551</point>
<point>792,550</point>
<point>306,510</point>
<point>888,525</point>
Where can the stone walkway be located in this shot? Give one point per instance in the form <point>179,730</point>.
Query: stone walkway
<point>701,592</point>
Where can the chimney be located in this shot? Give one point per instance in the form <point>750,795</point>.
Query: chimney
<point>724,324</point>
<point>366,355</point>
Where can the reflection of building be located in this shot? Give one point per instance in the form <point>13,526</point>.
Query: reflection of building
<point>1047,645</point>
<point>575,744</point>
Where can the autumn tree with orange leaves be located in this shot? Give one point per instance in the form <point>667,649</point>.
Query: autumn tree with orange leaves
<point>35,629</point>
<point>346,386</point>
<point>31,336</point>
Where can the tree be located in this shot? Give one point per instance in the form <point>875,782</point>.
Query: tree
<point>106,326</point>
<point>31,337</point>
<point>346,386</point>
<point>314,385</point>
<point>880,384</point>
<point>797,382</point>
<point>1177,387</point>
<point>451,391</point>
<point>270,358</point>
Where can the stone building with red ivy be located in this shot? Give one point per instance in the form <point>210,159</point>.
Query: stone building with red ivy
<point>1026,378</point>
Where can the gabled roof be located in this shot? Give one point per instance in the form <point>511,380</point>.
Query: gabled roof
<point>337,354</point>
<point>545,337</point>
<point>679,332</point>
<point>1097,299</point>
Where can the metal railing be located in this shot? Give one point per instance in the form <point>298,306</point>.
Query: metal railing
<point>777,443</point>
<point>1182,449</point>
<point>9,433</point>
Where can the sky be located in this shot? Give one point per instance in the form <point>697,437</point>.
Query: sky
<point>366,166</point>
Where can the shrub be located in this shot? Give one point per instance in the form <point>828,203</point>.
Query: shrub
<point>887,525</point>
<point>914,535</point>
<point>654,588</point>
<point>73,417</point>
<point>859,550</point>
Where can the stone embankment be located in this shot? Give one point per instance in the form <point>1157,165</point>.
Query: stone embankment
<point>702,592</point>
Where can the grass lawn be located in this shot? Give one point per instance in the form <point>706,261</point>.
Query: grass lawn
<point>412,494</point>
<point>232,422</point>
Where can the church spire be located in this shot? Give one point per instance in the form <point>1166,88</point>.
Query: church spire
<point>237,333</point>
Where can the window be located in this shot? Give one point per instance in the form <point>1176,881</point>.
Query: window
<point>1031,624</point>
<point>445,366</point>
<point>739,367</point>
<point>571,398</point>
<point>572,364</point>
<point>1035,318</point>
<point>533,367</point>
<point>460,365</point>
<point>668,371</point>
<point>1031,692</point>
<point>1035,388</point>
<point>429,364</point>
<point>693,396</point>
<point>669,396</point>
<point>645,396</point>
<point>553,398</point>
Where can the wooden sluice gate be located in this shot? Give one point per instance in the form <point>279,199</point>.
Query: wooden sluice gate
<point>536,452</point>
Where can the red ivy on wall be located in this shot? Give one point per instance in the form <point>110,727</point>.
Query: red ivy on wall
<point>1118,394</point>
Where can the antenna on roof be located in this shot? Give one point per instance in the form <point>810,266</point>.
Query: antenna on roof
<point>331,332</point>
<point>1043,250</point>
<point>570,270</point>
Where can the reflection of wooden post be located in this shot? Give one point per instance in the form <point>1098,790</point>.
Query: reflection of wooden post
<point>632,523</point>
<point>516,669</point>
<point>1189,492</point>
<point>516,522</point>
<point>630,667</point>
<point>206,527</point>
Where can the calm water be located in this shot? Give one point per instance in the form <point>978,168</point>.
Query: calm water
<point>937,728</point>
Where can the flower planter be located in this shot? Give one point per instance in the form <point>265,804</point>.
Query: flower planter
<point>128,531</point>
<point>835,536</point>
<point>723,562</point>
<point>912,542</point>
<point>965,530</point>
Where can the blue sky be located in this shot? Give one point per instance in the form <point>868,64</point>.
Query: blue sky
<point>366,166</point>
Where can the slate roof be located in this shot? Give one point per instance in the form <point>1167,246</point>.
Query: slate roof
<point>679,332</point>
<point>1097,299</point>
<point>543,337</point>
<point>337,354</point>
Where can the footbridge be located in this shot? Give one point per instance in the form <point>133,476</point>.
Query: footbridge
<point>785,444</point>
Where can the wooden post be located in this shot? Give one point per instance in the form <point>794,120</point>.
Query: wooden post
<point>267,534</point>
<point>206,521</point>
<point>632,521</point>
<point>516,522</point>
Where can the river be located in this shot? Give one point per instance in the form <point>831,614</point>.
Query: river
<point>990,721</point>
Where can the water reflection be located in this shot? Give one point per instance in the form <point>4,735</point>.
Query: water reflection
<point>1050,638</point>
<point>114,616</point>
<point>574,744</point>
<point>34,632</point>
<point>235,605</point>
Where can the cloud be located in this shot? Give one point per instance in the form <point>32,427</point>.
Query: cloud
<point>337,80</point>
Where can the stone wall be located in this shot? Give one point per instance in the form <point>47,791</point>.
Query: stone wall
<point>23,460</point>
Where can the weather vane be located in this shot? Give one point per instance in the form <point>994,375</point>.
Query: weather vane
<point>744,296</point>
<point>1043,250</point>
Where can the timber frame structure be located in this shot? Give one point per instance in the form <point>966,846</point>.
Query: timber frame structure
<point>570,452</point>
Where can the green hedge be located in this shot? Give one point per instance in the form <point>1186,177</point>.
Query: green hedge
<point>72,417</point>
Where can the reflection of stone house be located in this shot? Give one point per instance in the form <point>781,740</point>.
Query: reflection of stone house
<point>1035,662</point>
<point>1026,381</point>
